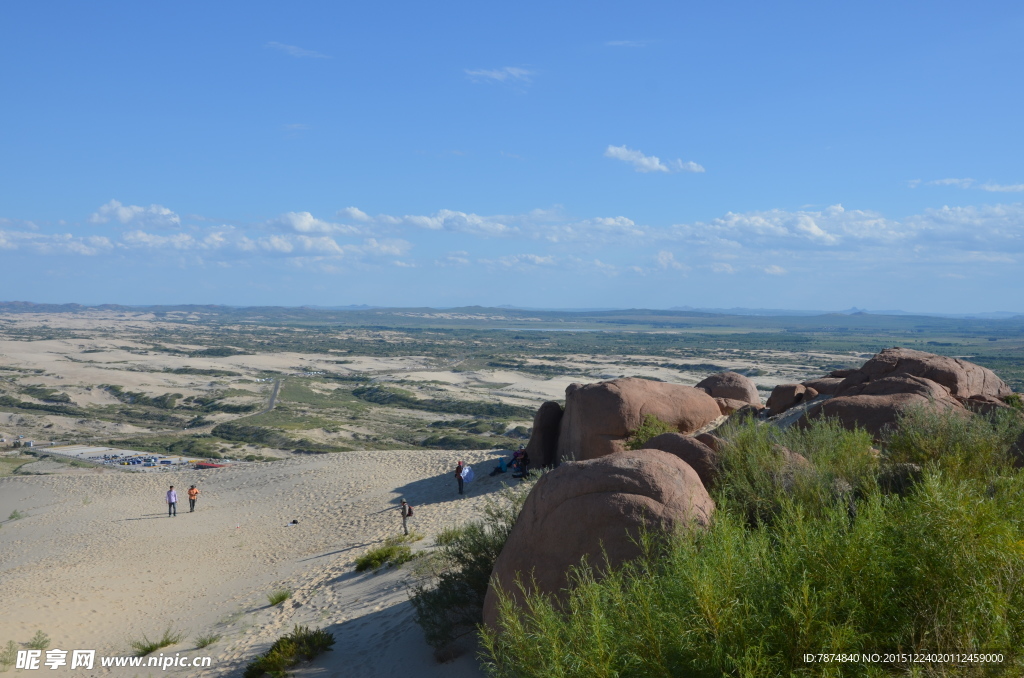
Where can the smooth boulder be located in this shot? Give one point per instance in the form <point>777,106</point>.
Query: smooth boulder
<point>700,457</point>
<point>824,385</point>
<point>877,406</point>
<point>784,396</point>
<point>594,509</point>
<point>732,386</point>
<point>599,417</point>
<point>543,446</point>
<point>962,378</point>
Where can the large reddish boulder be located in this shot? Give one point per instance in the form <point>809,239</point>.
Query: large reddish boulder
<point>824,385</point>
<point>784,396</point>
<point>700,457</point>
<point>543,446</point>
<point>876,406</point>
<point>731,385</point>
<point>962,378</point>
<point>599,417</point>
<point>593,509</point>
<point>728,405</point>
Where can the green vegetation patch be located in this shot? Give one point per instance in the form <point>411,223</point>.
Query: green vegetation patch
<point>393,397</point>
<point>803,557</point>
<point>290,649</point>
<point>394,552</point>
<point>651,427</point>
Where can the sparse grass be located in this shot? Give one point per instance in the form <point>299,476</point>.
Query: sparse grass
<point>40,641</point>
<point>288,650</point>
<point>651,427</point>
<point>16,515</point>
<point>144,645</point>
<point>10,465</point>
<point>207,640</point>
<point>279,596</point>
<point>394,552</point>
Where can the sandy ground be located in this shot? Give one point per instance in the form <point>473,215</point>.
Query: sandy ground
<point>96,561</point>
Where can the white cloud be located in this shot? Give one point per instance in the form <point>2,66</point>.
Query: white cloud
<point>322,245</point>
<point>959,183</point>
<point>154,215</point>
<point>519,260</point>
<point>390,246</point>
<point>298,52</point>
<point>667,260</point>
<point>354,213</point>
<point>722,267</point>
<point>304,222</point>
<point>774,270</point>
<point>649,163</point>
<point>1002,188</point>
<point>54,243</point>
<point>506,74</point>
<point>462,222</point>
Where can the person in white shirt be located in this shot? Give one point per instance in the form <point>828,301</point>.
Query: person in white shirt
<point>172,503</point>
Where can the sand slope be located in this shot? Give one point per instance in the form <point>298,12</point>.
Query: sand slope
<point>97,561</point>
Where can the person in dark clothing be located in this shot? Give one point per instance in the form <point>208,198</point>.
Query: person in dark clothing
<point>406,513</point>
<point>458,476</point>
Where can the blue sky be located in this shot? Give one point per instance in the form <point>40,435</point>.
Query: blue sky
<point>647,154</point>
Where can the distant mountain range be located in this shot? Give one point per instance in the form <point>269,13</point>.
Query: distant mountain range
<point>32,307</point>
<point>992,315</point>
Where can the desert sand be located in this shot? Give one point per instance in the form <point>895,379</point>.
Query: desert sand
<point>96,562</point>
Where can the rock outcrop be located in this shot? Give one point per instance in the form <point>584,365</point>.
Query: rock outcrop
<point>700,457</point>
<point>581,508</point>
<point>784,396</point>
<point>824,385</point>
<point>732,386</point>
<point>877,405</point>
<point>543,446</point>
<point>599,417</point>
<point>962,378</point>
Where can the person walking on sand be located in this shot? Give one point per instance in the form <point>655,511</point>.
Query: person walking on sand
<point>193,494</point>
<point>458,476</point>
<point>406,514</point>
<point>172,503</point>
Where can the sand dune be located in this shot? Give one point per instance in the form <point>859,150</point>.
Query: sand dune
<point>97,562</point>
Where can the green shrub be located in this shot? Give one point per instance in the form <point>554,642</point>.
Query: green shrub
<point>207,640</point>
<point>146,646</point>
<point>288,650</point>
<point>450,603</point>
<point>279,596</point>
<point>965,445</point>
<point>938,569</point>
<point>9,656</point>
<point>16,515</point>
<point>651,427</point>
<point>1014,400</point>
<point>40,641</point>
<point>394,551</point>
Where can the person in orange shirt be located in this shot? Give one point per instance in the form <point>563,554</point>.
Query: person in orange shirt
<point>193,494</point>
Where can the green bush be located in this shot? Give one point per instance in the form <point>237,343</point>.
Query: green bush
<point>207,640</point>
<point>651,427</point>
<point>279,596</point>
<point>146,646</point>
<point>450,603</point>
<point>40,641</point>
<point>9,656</point>
<point>940,569</point>
<point>288,650</point>
<point>394,551</point>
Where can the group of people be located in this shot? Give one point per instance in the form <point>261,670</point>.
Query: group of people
<point>519,463</point>
<point>172,501</point>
